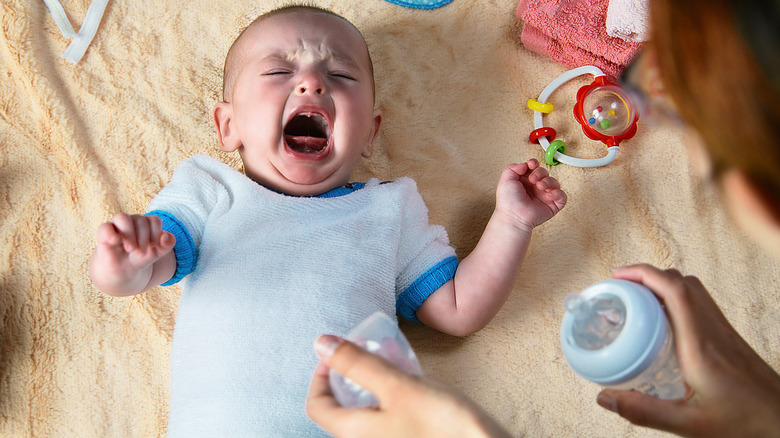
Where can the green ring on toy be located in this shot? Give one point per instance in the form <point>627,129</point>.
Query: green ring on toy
<point>549,153</point>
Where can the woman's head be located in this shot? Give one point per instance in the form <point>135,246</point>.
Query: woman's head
<point>718,61</point>
<point>715,76</point>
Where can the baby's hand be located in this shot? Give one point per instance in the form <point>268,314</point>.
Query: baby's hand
<point>528,195</point>
<point>127,247</point>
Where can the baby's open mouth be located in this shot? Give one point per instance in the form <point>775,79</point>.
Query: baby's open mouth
<point>307,133</point>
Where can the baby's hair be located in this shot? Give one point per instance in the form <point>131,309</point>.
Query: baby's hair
<point>232,58</point>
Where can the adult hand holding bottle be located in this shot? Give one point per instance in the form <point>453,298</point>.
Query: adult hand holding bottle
<point>732,391</point>
<point>408,405</point>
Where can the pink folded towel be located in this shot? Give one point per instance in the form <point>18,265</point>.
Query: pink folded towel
<point>573,32</point>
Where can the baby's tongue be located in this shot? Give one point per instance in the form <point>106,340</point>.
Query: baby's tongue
<point>305,143</point>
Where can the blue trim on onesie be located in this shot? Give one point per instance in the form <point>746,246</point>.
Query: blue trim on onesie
<point>412,298</point>
<point>185,251</point>
<point>343,190</point>
<point>346,189</point>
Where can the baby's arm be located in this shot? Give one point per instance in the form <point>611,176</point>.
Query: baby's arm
<point>526,197</point>
<point>133,254</point>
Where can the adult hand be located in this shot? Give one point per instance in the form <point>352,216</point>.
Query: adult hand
<point>733,392</point>
<point>408,405</point>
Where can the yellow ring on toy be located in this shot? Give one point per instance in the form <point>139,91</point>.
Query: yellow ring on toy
<point>541,107</point>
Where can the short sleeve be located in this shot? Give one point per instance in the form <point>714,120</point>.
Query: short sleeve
<point>185,251</point>
<point>425,257</point>
<point>197,191</point>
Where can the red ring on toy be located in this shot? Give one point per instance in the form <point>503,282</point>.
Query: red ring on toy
<point>542,132</point>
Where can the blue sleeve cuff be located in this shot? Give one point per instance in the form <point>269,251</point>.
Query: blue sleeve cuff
<point>185,251</point>
<point>412,298</point>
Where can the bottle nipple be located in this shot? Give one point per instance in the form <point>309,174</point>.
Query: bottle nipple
<point>597,321</point>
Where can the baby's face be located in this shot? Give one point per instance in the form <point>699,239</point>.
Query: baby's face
<point>302,107</point>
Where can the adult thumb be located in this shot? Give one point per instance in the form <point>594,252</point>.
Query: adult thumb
<point>371,371</point>
<point>645,410</point>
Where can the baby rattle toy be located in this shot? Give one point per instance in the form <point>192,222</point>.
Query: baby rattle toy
<point>603,109</point>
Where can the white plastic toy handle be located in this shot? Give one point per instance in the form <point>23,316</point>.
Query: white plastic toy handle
<point>538,124</point>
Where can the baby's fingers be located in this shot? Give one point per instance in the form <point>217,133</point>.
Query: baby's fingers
<point>125,226</point>
<point>143,232</point>
<point>548,183</point>
<point>514,171</point>
<point>538,174</point>
<point>163,240</point>
<point>108,235</point>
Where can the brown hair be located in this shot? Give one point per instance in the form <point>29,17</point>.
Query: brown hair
<point>720,82</point>
<point>232,58</point>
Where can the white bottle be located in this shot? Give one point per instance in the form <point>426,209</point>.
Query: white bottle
<point>615,333</point>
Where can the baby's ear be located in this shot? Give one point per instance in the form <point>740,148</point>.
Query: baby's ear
<point>369,149</point>
<point>223,122</point>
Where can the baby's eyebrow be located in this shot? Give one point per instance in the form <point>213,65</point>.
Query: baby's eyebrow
<point>328,55</point>
<point>275,57</point>
<point>346,61</point>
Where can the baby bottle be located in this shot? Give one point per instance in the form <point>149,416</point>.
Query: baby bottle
<point>380,335</point>
<point>615,333</point>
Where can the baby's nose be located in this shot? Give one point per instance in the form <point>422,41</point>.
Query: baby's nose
<point>310,84</point>
<point>303,89</point>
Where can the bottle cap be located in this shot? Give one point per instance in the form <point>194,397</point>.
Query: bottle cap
<point>634,349</point>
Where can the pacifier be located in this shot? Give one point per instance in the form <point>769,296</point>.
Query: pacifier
<point>603,109</point>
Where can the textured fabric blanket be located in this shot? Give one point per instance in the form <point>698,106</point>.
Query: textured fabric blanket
<point>81,142</point>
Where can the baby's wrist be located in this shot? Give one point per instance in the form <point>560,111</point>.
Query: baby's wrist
<point>512,227</point>
<point>513,221</point>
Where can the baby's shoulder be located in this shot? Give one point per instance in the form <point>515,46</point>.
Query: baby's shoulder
<point>206,164</point>
<point>403,183</point>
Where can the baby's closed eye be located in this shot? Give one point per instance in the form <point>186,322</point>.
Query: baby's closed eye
<point>277,71</point>
<point>342,75</point>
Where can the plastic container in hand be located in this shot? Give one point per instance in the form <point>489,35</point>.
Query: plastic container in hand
<point>380,335</point>
<point>615,333</point>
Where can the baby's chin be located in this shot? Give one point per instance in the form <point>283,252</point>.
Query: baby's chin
<point>305,186</point>
<point>299,178</point>
<point>310,190</point>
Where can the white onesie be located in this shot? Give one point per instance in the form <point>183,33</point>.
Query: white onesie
<point>266,273</point>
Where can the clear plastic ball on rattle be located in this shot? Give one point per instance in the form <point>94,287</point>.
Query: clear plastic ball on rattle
<point>608,110</point>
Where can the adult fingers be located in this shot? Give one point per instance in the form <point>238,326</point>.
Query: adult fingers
<point>662,282</point>
<point>677,295</point>
<point>370,371</point>
<point>320,404</point>
<point>325,410</point>
<point>645,410</point>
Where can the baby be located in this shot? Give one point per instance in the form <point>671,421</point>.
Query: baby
<point>290,250</point>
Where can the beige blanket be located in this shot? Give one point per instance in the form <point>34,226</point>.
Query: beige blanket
<point>81,142</point>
